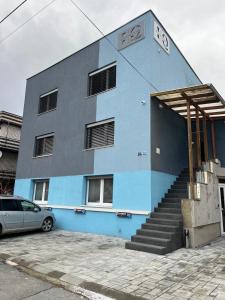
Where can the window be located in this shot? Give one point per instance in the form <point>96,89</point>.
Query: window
<point>27,206</point>
<point>48,102</point>
<point>43,145</point>
<point>10,205</point>
<point>100,191</point>
<point>41,190</point>
<point>102,80</point>
<point>100,134</point>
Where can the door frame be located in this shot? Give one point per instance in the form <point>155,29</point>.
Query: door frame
<point>221,185</point>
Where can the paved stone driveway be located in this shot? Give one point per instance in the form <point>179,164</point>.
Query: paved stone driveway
<point>101,264</point>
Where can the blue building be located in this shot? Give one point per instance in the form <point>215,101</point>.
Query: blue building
<point>95,146</point>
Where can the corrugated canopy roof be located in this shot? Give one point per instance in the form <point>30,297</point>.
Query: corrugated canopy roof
<point>203,97</point>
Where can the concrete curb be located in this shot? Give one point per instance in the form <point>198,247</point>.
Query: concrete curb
<point>86,289</point>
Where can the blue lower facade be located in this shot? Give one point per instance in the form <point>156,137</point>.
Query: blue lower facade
<point>134,192</point>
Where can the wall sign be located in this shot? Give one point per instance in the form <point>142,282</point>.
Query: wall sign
<point>161,37</point>
<point>131,35</point>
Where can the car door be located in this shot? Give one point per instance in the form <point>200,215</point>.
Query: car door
<point>32,215</point>
<point>12,215</point>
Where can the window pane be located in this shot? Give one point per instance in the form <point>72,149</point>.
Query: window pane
<point>100,135</point>
<point>27,206</point>
<point>111,77</point>
<point>97,83</point>
<point>94,191</point>
<point>39,143</point>
<point>48,102</point>
<point>46,191</point>
<point>10,205</point>
<point>48,145</point>
<point>52,100</point>
<point>43,105</point>
<point>38,190</point>
<point>108,190</point>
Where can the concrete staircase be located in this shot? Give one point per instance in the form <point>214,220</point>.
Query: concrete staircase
<point>163,231</point>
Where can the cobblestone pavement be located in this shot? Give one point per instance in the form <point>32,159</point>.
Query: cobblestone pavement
<point>99,262</point>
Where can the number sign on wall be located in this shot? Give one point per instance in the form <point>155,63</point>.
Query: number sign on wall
<point>131,35</point>
<point>161,37</point>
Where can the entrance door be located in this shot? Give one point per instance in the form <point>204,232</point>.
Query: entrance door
<point>222,206</point>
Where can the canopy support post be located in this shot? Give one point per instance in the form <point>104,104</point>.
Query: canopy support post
<point>206,151</point>
<point>213,139</point>
<point>198,140</point>
<point>190,152</point>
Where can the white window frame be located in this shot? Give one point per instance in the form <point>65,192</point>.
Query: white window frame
<point>44,95</point>
<point>42,201</point>
<point>101,200</point>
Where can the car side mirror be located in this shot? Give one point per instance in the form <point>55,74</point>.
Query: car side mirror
<point>36,209</point>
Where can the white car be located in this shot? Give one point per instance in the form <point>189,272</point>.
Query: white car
<point>18,214</point>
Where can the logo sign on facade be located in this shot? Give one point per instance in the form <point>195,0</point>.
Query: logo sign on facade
<point>161,37</point>
<point>131,35</point>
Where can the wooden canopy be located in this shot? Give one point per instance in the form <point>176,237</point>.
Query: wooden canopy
<point>202,101</point>
<point>203,98</point>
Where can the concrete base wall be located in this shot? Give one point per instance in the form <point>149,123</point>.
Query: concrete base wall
<point>203,235</point>
<point>201,215</point>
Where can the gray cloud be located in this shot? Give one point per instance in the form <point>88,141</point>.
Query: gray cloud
<point>196,26</point>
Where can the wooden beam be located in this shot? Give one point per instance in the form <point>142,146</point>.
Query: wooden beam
<point>190,152</point>
<point>188,89</point>
<point>198,140</point>
<point>199,103</point>
<point>205,138</point>
<point>213,139</point>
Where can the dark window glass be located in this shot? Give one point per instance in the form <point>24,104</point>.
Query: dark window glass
<point>44,146</point>
<point>48,102</point>
<point>94,191</point>
<point>102,81</point>
<point>100,135</point>
<point>108,190</point>
<point>27,206</point>
<point>10,205</point>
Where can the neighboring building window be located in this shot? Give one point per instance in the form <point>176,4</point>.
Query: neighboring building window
<point>44,145</point>
<point>41,190</point>
<point>48,102</point>
<point>100,191</point>
<point>102,80</point>
<point>100,134</point>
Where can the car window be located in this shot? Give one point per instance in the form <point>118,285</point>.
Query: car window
<point>10,205</point>
<point>27,206</point>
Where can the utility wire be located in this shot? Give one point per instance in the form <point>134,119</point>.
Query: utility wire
<point>9,14</point>
<point>121,54</point>
<point>19,27</point>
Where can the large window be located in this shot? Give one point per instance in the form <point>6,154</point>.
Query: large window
<point>100,191</point>
<point>100,134</point>
<point>41,190</point>
<point>48,102</point>
<point>102,80</point>
<point>43,145</point>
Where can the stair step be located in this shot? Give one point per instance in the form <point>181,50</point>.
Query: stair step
<point>166,216</point>
<point>146,248</point>
<point>176,195</point>
<point>168,210</point>
<point>151,240</point>
<point>178,186</point>
<point>165,221</point>
<point>182,179</point>
<point>156,233</point>
<point>161,227</point>
<point>169,205</point>
<point>171,200</point>
<point>177,190</point>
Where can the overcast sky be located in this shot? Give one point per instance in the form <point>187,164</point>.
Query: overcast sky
<point>197,26</point>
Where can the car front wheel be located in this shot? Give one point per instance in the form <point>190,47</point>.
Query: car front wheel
<point>47,225</point>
